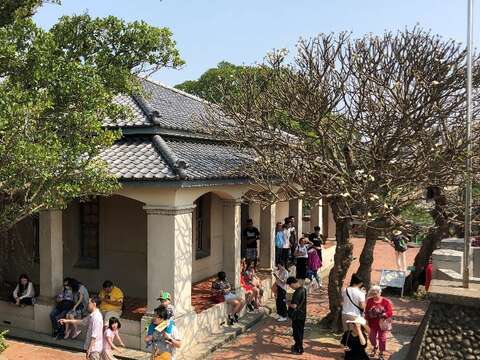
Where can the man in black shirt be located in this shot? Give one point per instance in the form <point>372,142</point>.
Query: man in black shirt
<point>298,313</point>
<point>251,236</point>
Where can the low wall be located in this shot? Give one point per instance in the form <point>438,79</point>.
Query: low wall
<point>451,326</point>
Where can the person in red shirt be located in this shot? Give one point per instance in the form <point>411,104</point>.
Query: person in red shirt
<point>428,274</point>
<point>378,312</point>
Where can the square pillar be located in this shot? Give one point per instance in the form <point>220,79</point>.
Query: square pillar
<point>316,216</point>
<point>51,252</point>
<point>296,210</point>
<point>169,255</point>
<point>267,237</point>
<point>331,227</point>
<point>232,241</point>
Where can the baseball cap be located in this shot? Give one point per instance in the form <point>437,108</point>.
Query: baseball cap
<point>164,296</point>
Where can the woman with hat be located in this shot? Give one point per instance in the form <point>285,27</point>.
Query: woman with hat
<point>399,242</point>
<point>355,339</point>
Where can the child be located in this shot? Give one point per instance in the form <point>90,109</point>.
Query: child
<point>111,333</point>
<point>165,300</point>
<point>163,337</point>
<point>314,265</point>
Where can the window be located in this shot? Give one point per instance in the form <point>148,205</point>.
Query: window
<point>89,234</point>
<point>202,226</point>
<point>36,238</point>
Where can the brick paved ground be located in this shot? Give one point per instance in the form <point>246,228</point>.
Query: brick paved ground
<point>23,351</point>
<point>271,340</point>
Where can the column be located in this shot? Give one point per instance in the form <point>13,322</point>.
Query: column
<point>296,210</point>
<point>316,216</point>
<point>169,255</point>
<point>232,240</point>
<point>267,237</point>
<point>51,253</point>
<point>330,228</point>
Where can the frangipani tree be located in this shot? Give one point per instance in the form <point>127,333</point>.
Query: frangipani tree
<point>366,124</point>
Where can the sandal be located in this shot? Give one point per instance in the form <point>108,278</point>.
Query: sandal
<point>374,352</point>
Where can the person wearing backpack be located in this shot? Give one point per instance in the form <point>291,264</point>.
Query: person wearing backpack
<point>353,301</point>
<point>399,242</point>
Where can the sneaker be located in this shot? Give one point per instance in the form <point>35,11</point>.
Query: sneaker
<point>235,318</point>
<point>282,319</point>
<point>230,320</point>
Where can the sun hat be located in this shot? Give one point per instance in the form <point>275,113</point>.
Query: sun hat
<point>396,232</point>
<point>357,320</point>
<point>164,296</point>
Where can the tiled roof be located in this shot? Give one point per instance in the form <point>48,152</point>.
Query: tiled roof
<point>137,117</point>
<point>136,158</point>
<point>144,159</point>
<point>152,152</point>
<point>176,109</point>
<point>208,160</point>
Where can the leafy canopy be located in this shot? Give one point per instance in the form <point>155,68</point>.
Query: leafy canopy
<point>57,87</point>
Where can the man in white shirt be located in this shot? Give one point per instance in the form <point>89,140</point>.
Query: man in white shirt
<point>94,322</point>
<point>281,276</point>
<point>353,303</point>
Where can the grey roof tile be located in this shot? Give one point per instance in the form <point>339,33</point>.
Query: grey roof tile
<point>131,159</point>
<point>136,118</point>
<point>207,159</point>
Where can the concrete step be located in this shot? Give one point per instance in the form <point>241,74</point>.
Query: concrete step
<point>75,345</point>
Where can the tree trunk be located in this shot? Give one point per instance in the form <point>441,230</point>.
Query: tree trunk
<point>342,261</point>
<point>366,258</point>
<point>430,243</point>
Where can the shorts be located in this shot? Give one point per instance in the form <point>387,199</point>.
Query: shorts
<point>251,253</point>
<point>230,296</point>
<point>109,314</point>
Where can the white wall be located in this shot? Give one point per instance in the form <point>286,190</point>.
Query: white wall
<point>210,265</point>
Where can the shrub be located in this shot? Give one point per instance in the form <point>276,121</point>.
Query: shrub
<point>3,341</point>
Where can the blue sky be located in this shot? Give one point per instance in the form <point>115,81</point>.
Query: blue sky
<point>242,32</point>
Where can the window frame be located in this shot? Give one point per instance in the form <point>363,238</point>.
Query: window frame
<point>85,261</point>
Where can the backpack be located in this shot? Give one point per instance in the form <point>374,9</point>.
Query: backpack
<point>314,263</point>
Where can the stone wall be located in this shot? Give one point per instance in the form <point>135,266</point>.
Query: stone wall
<point>450,329</point>
<point>453,332</point>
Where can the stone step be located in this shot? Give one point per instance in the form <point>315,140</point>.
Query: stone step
<point>75,345</point>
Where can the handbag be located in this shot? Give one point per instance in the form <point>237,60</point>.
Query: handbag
<point>385,324</point>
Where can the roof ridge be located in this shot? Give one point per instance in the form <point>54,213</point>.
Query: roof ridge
<point>181,92</point>
<point>147,109</point>
<point>178,165</point>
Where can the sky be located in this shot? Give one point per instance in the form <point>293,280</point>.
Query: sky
<point>243,31</point>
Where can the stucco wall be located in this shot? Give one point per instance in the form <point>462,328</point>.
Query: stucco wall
<point>17,253</point>
<point>123,246</point>
<point>208,266</point>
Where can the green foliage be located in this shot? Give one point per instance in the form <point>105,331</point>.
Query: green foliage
<point>417,214</point>
<point>215,83</point>
<point>57,87</point>
<point>3,342</point>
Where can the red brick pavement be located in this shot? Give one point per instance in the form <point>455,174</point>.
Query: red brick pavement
<point>23,351</point>
<point>271,340</point>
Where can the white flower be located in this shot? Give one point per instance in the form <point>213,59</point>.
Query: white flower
<point>435,82</point>
<point>371,178</point>
<point>345,194</point>
<point>374,197</point>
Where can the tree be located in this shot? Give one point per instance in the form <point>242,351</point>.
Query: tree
<point>57,87</point>
<point>210,84</point>
<point>366,124</point>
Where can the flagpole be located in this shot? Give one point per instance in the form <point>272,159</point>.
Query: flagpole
<point>468,172</point>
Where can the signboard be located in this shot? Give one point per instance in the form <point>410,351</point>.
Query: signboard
<point>393,278</point>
